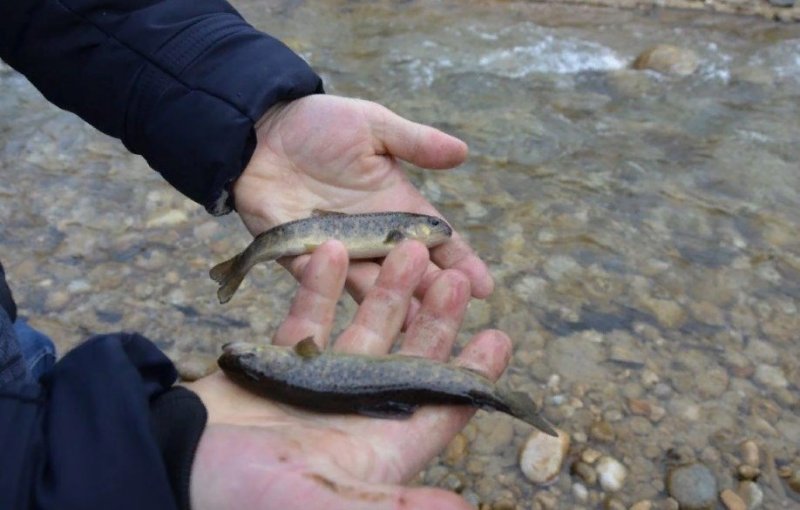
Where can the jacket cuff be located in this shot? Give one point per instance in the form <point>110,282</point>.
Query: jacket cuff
<point>6,299</point>
<point>178,418</point>
<point>204,90</point>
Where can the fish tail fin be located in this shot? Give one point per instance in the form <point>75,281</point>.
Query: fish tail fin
<point>222,271</point>
<point>229,287</point>
<point>523,407</point>
<point>229,275</point>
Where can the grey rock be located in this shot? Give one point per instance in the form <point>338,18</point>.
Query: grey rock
<point>693,486</point>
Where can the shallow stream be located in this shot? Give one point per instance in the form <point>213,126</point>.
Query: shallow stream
<point>642,228</point>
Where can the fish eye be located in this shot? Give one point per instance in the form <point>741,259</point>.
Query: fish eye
<point>435,222</point>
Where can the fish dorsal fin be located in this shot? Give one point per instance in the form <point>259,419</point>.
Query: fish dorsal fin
<point>325,212</point>
<point>394,236</point>
<point>307,348</point>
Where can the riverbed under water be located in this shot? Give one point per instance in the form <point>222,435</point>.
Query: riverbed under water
<point>642,228</point>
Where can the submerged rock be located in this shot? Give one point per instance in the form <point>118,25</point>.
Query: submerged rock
<point>693,486</point>
<point>667,59</point>
<point>612,473</point>
<point>542,456</point>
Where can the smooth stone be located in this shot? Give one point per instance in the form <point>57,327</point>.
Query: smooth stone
<point>750,453</point>
<point>585,472</point>
<point>732,501</point>
<point>612,473</point>
<point>747,472</point>
<point>169,218</point>
<point>668,59</point>
<point>769,375</point>
<point>645,504</point>
<point>693,486</point>
<point>542,456</point>
<point>602,431</point>
<point>794,481</point>
<point>456,450</point>
<point>751,493</point>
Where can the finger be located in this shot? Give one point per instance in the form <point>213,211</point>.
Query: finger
<point>433,427</point>
<point>382,312</point>
<point>457,254</point>
<point>314,305</point>
<point>418,144</point>
<point>361,277</point>
<point>435,327</point>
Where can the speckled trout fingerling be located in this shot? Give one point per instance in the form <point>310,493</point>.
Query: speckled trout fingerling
<point>388,386</point>
<point>364,236</point>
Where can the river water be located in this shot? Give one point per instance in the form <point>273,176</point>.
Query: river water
<point>642,228</point>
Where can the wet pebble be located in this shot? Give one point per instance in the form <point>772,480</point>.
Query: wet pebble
<point>794,481</point>
<point>456,450</point>
<point>195,366</point>
<point>612,503</point>
<point>590,455</point>
<point>541,456</point>
<point>580,492</point>
<point>732,501</point>
<point>668,313</point>
<point>611,473</point>
<point>585,472</point>
<point>602,431</point>
<point>747,472</point>
<point>693,486</point>
<point>750,453</point>
<point>496,431</point>
<point>645,504</point>
<point>751,493</point>
<point>668,59</point>
<point>769,375</point>
<point>57,300</point>
<point>168,218</point>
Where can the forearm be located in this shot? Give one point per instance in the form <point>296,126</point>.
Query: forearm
<point>181,82</point>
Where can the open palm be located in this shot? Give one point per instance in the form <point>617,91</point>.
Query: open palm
<point>260,454</point>
<point>335,153</point>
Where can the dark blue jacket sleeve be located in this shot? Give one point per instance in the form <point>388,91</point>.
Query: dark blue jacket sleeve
<point>83,437</point>
<point>181,82</point>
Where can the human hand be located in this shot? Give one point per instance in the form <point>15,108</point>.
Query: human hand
<point>259,454</point>
<point>335,153</point>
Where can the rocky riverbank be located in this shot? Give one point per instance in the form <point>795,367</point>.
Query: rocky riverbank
<point>779,10</point>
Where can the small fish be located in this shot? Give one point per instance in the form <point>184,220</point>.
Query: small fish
<point>390,386</point>
<point>364,235</point>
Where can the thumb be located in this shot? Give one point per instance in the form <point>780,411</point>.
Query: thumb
<point>418,144</point>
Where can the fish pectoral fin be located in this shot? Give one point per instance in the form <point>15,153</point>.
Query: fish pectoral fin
<point>307,348</point>
<point>388,410</point>
<point>325,212</point>
<point>394,236</point>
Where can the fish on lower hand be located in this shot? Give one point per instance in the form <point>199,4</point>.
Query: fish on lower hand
<point>390,386</point>
<point>364,235</point>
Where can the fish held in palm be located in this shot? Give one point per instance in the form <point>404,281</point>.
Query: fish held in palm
<point>390,386</point>
<point>364,235</point>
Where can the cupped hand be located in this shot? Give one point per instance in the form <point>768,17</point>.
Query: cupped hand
<point>259,454</point>
<point>341,154</point>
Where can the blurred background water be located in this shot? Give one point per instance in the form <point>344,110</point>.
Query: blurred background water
<point>641,227</point>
